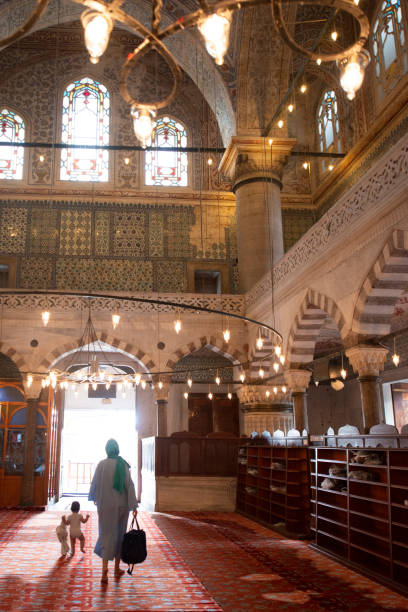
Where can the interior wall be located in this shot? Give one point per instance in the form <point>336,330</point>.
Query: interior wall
<point>329,408</point>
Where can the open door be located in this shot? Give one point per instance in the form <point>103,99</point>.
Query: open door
<point>55,422</point>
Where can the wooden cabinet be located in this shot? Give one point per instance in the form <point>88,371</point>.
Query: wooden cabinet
<point>363,518</point>
<point>273,486</point>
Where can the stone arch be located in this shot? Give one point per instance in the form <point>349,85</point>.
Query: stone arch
<point>14,355</point>
<point>384,284</point>
<point>121,345</point>
<point>307,324</point>
<point>215,344</point>
<point>186,48</point>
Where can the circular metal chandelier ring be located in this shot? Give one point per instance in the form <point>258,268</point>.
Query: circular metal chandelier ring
<point>344,5</point>
<point>124,298</point>
<point>149,45</point>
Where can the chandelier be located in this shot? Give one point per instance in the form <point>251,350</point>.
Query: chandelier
<point>213,20</point>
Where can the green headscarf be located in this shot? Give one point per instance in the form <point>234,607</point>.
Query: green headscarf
<point>112,450</point>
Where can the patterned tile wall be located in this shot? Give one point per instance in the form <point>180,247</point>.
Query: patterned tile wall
<point>295,223</point>
<point>106,246</point>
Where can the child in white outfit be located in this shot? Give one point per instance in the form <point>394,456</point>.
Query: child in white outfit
<point>74,521</point>
<point>62,535</point>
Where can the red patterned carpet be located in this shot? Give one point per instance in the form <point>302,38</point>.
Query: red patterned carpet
<point>196,561</point>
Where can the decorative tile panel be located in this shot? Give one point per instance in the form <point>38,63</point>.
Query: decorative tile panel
<point>75,236</point>
<point>104,274</point>
<point>156,234</point>
<point>43,231</point>
<point>36,273</point>
<point>178,234</point>
<point>13,229</point>
<point>129,237</point>
<point>102,232</point>
<point>170,276</point>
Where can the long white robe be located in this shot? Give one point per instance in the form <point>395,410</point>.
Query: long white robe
<point>113,508</point>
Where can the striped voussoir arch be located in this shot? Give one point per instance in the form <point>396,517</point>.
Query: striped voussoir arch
<point>312,314</point>
<point>121,345</point>
<point>14,355</point>
<point>386,281</point>
<point>215,344</point>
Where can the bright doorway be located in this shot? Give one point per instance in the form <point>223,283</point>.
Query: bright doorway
<point>88,423</point>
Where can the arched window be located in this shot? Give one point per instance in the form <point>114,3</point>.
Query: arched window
<point>12,130</point>
<point>167,168</point>
<point>328,126</point>
<point>85,121</point>
<point>389,45</point>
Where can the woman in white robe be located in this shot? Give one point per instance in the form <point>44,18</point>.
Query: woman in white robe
<point>113,492</point>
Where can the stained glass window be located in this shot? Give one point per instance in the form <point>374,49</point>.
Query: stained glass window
<point>167,168</point>
<point>328,126</point>
<point>12,130</point>
<point>85,121</point>
<point>389,45</point>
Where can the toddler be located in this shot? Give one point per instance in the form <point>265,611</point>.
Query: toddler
<point>62,535</point>
<point>74,521</point>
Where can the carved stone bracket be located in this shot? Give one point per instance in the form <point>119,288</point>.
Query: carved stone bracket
<point>253,157</point>
<point>297,380</point>
<point>367,360</point>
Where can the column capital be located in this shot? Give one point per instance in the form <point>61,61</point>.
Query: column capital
<point>253,158</point>
<point>367,360</point>
<point>33,392</point>
<point>297,380</point>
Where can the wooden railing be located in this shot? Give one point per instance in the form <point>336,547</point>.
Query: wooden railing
<point>190,456</point>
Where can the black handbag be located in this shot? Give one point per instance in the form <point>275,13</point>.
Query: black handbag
<point>133,547</point>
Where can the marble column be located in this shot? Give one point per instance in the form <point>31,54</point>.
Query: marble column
<point>298,382</point>
<point>161,396</point>
<point>255,168</point>
<point>27,485</point>
<point>368,361</point>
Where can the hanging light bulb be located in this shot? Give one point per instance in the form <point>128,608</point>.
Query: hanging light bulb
<point>143,384</point>
<point>160,385</point>
<point>107,386</point>
<point>280,123</point>
<point>229,395</point>
<point>210,161</point>
<point>210,395</point>
<point>115,320</point>
<point>290,108</point>
<point>318,61</point>
<point>120,384</point>
<point>53,379</point>
<point>242,377</point>
<point>142,123</point>
<point>284,389</point>
<point>227,334</point>
<point>275,390</point>
<point>352,72</point>
<point>395,358</point>
<point>282,359</point>
<point>94,386</point>
<point>29,381</point>
<point>267,393</point>
<point>190,382</point>
<point>278,350</point>
<point>330,167</point>
<point>45,315</point>
<point>276,366</point>
<point>343,373</point>
<point>259,341</point>
<point>43,382</point>
<point>334,35</point>
<point>97,28</point>
<point>217,379</point>
<point>316,382</point>
<point>305,165</point>
<point>261,373</point>
<point>177,324</point>
<point>185,394</point>
<point>137,379</point>
<point>215,30</point>
<point>303,88</point>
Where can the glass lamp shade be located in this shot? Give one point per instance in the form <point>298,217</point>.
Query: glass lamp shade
<point>97,28</point>
<point>142,124</point>
<point>215,29</point>
<point>352,72</point>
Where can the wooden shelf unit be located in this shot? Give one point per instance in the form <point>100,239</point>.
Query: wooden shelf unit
<point>366,524</point>
<point>273,486</point>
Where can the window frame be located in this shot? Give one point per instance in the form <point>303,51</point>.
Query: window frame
<point>26,157</point>
<point>188,160</point>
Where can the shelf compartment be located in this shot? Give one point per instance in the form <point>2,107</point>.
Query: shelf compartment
<point>400,574</point>
<point>334,514</point>
<point>380,474</point>
<point>327,497</point>
<point>399,478</point>
<point>400,554</point>
<point>369,490</point>
<point>370,507</point>
<point>399,515</point>
<point>331,544</point>
<point>398,496</point>
<point>334,528</point>
<point>400,534</point>
<point>370,561</point>
<point>377,546</point>
<point>369,525</point>
<point>331,454</point>
<point>399,458</point>
<point>323,468</point>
